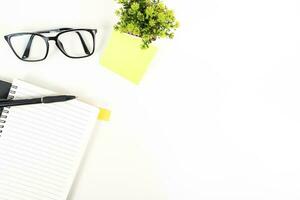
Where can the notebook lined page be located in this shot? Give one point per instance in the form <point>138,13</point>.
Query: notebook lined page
<point>41,146</point>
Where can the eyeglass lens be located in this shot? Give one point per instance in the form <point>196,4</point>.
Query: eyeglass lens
<point>77,43</point>
<point>36,51</point>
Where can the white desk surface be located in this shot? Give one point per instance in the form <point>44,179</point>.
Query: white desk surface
<point>216,117</point>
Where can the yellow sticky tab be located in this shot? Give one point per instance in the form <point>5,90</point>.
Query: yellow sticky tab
<point>104,114</point>
<point>124,56</point>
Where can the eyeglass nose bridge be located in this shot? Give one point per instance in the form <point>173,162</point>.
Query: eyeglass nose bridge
<point>52,38</point>
<point>57,42</point>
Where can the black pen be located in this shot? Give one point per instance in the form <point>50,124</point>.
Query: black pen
<point>47,99</point>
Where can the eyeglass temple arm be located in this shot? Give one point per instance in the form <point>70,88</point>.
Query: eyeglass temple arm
<point>54,30</point>
<point>28,47</point>
<point>86,50</point>
<point>60,29</point>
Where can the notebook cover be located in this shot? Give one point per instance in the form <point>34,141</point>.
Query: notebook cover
<point>4,90</point>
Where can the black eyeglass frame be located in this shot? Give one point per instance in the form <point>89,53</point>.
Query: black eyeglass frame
<point>54,38</point>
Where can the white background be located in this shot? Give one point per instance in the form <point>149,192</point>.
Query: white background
<point>216,117</point>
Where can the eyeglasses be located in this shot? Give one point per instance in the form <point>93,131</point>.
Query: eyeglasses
<point>34,46</point>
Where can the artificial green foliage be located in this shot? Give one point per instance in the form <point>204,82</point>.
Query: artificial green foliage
<point>147,19</point>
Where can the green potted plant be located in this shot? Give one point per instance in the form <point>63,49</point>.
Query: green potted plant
<point>141,22</point>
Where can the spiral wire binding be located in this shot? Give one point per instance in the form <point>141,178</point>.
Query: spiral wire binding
<point>5,110</point>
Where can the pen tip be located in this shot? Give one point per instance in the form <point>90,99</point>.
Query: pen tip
<point>70,97</point>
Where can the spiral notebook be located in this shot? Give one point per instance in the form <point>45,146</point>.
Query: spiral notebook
<point>41,145</point>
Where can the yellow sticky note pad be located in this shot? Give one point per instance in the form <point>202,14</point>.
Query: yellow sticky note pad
<point>104,114</point>
<point>124,56</point>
